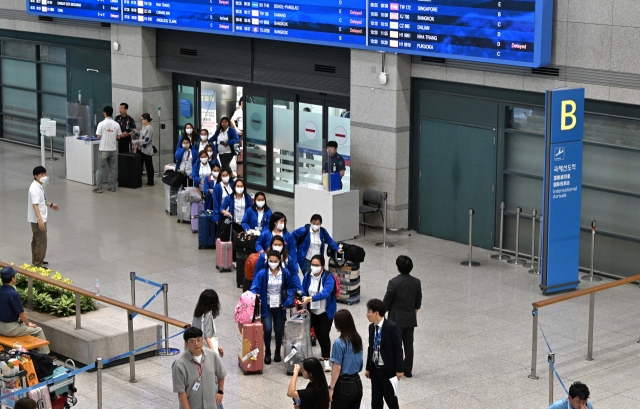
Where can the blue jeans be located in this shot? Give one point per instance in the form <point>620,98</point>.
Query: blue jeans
<point>273,321</point>
<point>110,158</point>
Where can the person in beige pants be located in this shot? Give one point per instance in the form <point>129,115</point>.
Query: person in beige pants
<point>13,319</point>
<point>37,216</point>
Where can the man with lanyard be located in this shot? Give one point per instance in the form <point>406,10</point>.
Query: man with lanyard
<point>37,216</point>
<point>127,126</point>
<point>335,162</point>
<point>13,319</point>
<point>577,399</point>
<point>384,356</point>
<point>198,375</point>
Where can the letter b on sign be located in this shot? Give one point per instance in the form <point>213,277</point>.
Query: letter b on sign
<point>568,120</point>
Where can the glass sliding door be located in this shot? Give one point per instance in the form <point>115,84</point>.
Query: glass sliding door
<point>283,128</point>
<point>339,130</point>
<point>255,128</point>
<point>310,137</point>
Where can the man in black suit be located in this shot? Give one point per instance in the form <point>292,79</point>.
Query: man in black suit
<point>403,300</point>
<point>384,356</point>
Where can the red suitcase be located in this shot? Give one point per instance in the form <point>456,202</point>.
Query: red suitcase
<point>224,255</point>
<point>251,340</point>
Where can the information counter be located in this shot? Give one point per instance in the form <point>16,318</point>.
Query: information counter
<point>339,210</point>
<point>83,159</point>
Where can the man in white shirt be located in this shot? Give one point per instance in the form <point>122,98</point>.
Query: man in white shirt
<point>37,216</point>
<point>109,133</point>
<point>238,117</point>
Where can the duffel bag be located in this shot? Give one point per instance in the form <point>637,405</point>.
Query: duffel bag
<point>245,243</point>
<point>172,178</point>
<point>350,252</point>
<point>193,194</point>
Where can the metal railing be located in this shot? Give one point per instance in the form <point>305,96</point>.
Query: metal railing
<point>569,296</point>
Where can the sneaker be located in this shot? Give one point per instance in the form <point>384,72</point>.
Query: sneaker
<point>112,189</point>
<point>97,190</point>
<point>267,359</point>
<point>327,365</point>
<point>234,264</point>
<point>46,263</point>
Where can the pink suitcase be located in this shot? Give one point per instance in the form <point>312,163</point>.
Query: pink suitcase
<point>196,209</point>
<point>41,396</point>
<point>224,255</point>
<point>251,339</point>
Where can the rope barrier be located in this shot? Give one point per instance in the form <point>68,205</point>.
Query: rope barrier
<point>535,312</point>
<point>144,280</point>
<point>84,369</point>
<point>153,297</point>
<point>566,391</point>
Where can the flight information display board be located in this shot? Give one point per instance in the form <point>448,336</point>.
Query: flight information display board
<point>513,32</point>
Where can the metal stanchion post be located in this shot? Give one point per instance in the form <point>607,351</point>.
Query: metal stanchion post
<point>533,264</point>
<point>552,360</point>
<point>470,262</point>
<point>384,222</point>
<point>132,358</point>
<point>501,256</point>
<point>536,269</point>
<point>591,277</point>
<point>517,260</point>
<point>167,350</point>
<point>534,345</point>
<point>78,312</point>
<point>592,306</point>
<point>99,381</point>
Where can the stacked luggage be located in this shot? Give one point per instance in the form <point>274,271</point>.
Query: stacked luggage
<point>349,276</point>
<point>172,182</point>
<point>297,340</point>
<point>251,334</point>
<point>245,245</point>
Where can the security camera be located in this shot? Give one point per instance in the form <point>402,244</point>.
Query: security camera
<point>383,78</point>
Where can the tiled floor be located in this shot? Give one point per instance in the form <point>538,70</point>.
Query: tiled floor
<point>473,343</point>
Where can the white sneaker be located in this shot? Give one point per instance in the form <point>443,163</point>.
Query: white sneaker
<point>327,365</point>
<point>234,264</point>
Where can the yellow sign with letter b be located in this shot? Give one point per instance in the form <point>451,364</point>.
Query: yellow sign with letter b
<point>568,120</point>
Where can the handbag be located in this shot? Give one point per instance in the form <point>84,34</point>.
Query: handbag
<point>193,195</point>
<point>214,337</point>
<point>351,252</point>
<point>172,178</point>
<point>155,150</point>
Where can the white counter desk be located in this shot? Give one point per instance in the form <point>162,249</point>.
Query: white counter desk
<point>339,210</point>
<point>83,160</point>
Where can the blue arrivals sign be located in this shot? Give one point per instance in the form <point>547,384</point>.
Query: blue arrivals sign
<point>562,190</point>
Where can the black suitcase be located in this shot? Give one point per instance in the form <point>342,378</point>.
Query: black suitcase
<point>129,170</point>
<point>241,259</point>
<point>246,284</point>
<point>245,243</point>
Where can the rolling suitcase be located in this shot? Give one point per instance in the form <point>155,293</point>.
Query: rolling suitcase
<point>241,259</point>
<point>251,341</point>
<point>183,210</point>
<point>196,209</point>
<point>129,170</point>
<point>206,230</point>
<point>224,255</point>
<point>348,275</point>
<point>170,200</point>
<point>297,339</point>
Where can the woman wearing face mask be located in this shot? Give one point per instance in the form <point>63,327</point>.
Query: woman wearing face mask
<point>319,295</point>
<point>187,132</point>
<point>145,142</point>
<point>211,154</point>
<point>275,287</point>
<point>201,169</point>
<point>234,207</point>
<point>258,215</point>
<point>277,226</point>
<point>316,394</point>
<point>311,240</point>
<point>204,140</point>
<point>224,139</point>
<point>223,188</point>
<point>209,186</point>
<point>277,244</point>
<point>186,157</point>
<point>345,387</point>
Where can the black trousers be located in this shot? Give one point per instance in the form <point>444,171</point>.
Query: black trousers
<point>322,327</point>
<point>407,343</point>
<point>381,388</point>
<point>347,393</point>
<point>147,161</point>
<point>225,160</point>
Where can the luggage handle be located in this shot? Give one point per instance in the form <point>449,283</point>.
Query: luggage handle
<point>70,364</point>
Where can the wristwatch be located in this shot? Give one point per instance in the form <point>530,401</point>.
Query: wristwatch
<point>220,392</point>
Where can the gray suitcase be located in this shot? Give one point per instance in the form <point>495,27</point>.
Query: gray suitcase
<point>183,207</point>
<point>170,200</point>
<point>297,334</point>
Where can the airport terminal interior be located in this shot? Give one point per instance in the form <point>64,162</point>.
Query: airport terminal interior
<point>472,343</point>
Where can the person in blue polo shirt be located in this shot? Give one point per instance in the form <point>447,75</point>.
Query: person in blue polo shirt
<point>577,399</point>
<point>310,241</point>
<point>13,319</point>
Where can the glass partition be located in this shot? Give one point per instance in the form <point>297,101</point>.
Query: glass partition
<point>283,144</point>
<point>339,130</point>
<point>255,154</point>
<point>309,163</point>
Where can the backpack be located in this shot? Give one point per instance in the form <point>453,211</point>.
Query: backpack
<point>303,238</point>
<point>250,265</point>
<point>336,289</point>
<point>42,363</point>
<point>245,312</point>
<point>351,252</point>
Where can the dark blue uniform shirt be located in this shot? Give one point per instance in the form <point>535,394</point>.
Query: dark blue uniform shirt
<point>334,164</point>
<point>10,304</point>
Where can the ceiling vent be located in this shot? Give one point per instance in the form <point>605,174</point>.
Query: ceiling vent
<point>327,69</point>
<point>189,52</point>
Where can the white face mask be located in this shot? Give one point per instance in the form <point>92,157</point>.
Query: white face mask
<point>44,179</point>
<point>204,160</point>
<point>260,204</point>
<point>215,174</point>
<point>239,190</point>
<point>225,179</point>
<point>277,248</point>
<point>210,154</point>
<point>315,227</point>
<point>273,266</point>
<point>316,269</point>
<point>185,146</point>
<point>189,131</point>
<point>280,226</point>
<point>203,137</point>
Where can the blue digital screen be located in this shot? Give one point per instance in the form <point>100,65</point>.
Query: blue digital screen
<point>512,32</point>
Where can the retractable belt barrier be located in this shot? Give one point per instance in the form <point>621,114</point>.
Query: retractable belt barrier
<point>551,361</point>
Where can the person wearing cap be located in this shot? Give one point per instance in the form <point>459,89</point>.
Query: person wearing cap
<point>197,374</point>
<point>335,161</point>
<point>37,215</point>
<point>13,319</point>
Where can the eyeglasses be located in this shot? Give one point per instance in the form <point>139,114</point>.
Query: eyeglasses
<point>195,341</point>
